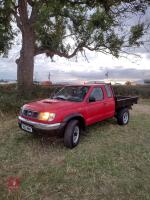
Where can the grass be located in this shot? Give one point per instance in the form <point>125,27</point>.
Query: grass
<point>111,161</point>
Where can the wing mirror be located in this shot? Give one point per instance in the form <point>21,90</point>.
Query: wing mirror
<point>92,99</point>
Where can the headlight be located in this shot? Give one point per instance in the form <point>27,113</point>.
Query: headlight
<point>46,116</point>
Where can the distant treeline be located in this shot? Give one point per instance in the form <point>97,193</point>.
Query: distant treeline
<point>43,91</point>
<point>142,91</point>
<point>10,101</point>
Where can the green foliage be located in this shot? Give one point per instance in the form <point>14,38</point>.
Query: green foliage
<point>91,24</point>
<point>114,44</point>
<point>100,20</point>
<point>136,34</point>
<point>6,34</point>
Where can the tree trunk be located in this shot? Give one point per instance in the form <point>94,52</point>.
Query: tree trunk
<point>25,64</point>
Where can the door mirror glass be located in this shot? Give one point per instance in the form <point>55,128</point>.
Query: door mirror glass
<point>92,99</point>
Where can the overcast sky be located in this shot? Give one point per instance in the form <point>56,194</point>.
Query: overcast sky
<point>124,68</point>
<point>128,67</point>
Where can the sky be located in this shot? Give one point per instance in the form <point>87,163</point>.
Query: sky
<point>127,67</point>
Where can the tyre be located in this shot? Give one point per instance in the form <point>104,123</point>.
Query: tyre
<point>123,116</point>
<point>72,134</point>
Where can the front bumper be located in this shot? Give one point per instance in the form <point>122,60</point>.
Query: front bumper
<point>40,127</point>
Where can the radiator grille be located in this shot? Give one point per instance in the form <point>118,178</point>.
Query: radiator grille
<point>30,113</point>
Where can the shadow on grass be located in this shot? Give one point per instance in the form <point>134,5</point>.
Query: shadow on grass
<point>43,140</point>
<point>47,140</point>
<point>103,124</point>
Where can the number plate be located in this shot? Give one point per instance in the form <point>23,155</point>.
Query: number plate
<point>26,128</point>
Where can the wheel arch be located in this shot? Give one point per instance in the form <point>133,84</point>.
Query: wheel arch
<point>122,108</point>
<point>76,116</point>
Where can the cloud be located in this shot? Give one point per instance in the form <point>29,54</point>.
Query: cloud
<point>114,74</point>
<point>64,70</point>
<point>148,55</point>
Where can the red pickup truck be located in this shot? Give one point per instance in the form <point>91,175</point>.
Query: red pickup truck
<point>73,108</point>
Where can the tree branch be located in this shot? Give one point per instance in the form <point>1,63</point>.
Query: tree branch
<point>14,12</point>
<point>51,53</point>
<point>33,15</point>
<point>18,21</point>
<point>30,2</point>
<point>35,9</point>
<point>80,47</point>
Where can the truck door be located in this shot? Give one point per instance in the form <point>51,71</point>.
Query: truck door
<point>95,106</point>
<point>109,104</point>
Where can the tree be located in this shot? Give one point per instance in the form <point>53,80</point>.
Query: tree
<point>64,28</point>
<point>128,83</point>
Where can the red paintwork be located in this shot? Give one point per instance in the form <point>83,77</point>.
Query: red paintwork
<point>92,112</point>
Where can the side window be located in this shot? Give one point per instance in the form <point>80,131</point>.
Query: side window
<point>97,93</point>
<point>108,90</point>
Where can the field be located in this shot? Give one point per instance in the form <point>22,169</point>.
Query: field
<point>111,162</point>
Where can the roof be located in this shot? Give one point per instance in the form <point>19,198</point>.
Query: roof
<point>87,84</point>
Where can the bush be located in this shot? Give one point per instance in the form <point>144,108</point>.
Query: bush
<point>11,102</point>
<point>142,91</point>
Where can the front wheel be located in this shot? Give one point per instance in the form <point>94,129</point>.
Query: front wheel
<point>72,134</point>
<point>123,116</point>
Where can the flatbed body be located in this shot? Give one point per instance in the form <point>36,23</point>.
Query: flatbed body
<point>125,101</point>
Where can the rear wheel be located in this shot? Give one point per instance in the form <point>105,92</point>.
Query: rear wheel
<point>72,134</point>
<point>123,116</point>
